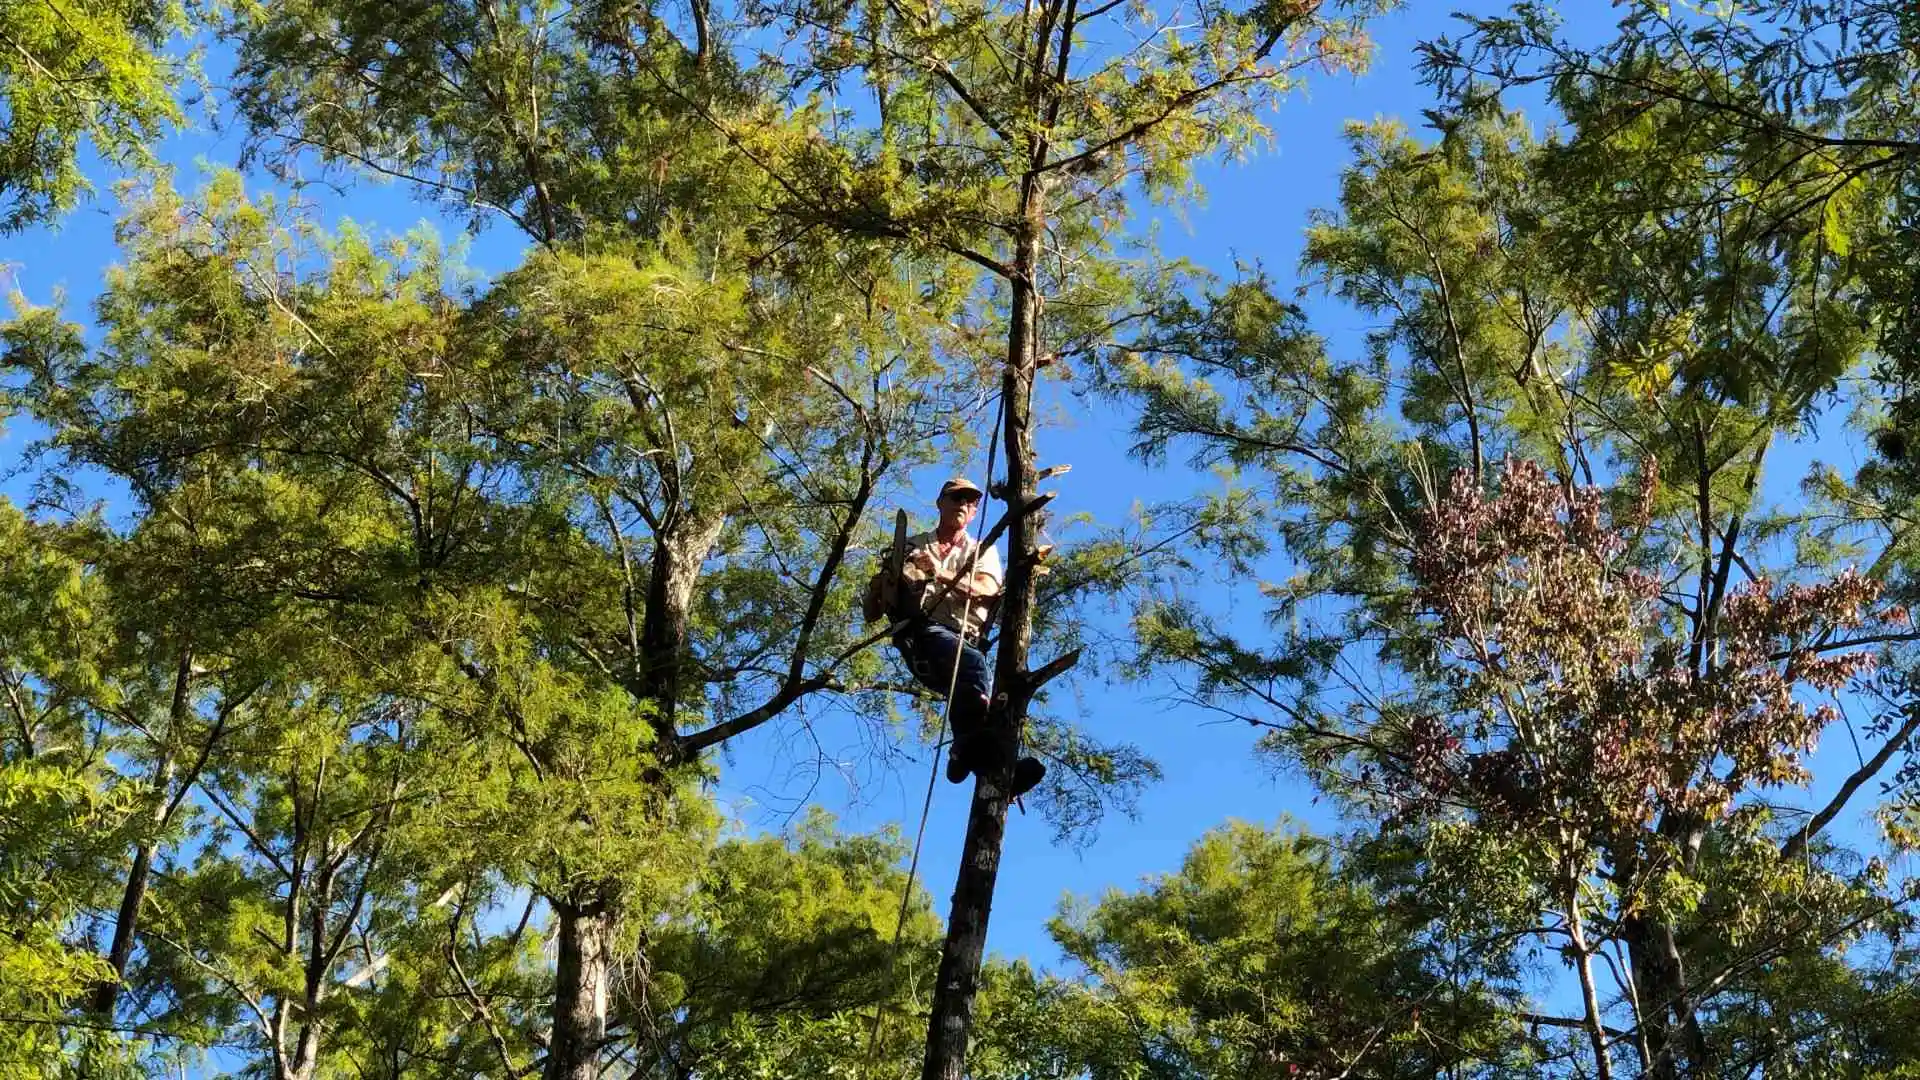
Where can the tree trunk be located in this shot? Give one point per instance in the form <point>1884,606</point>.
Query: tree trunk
<point>106,993</point>
<point>584,971</point>
<point>1674,1038</point>
<point>1589,994</point>
<point>303,1061</point>
<point>1654,990</point>
<point>1675,1044</point>
<point>679,553</point>
<point>951,1021</point>
<point>306,1046</point>
<point>1693,836</point>
<point>958,980</point>
<point>580,992</point>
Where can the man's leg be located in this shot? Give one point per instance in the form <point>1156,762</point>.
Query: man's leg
<point>932,652</point>
<point>971,700</point>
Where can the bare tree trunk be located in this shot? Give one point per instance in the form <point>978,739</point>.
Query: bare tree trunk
<point>585,931</point>
<point>303,1061</point>
<point>1589,994</point>
<point>1693,836</point>
<point>1675,1041</point>
<point>958,980</point>
<point>306,1046</point>
<point>1653,991</point>
<point>580,992</point>
<point>1676,1045</point>
<point>297,879</point>
<point>678,555</point>
<point>106,993</point>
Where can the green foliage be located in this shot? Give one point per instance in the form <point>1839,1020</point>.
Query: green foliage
<point>74,70</point>
<point>62,833</point>
<point>409,595</point>
<point>1561,301</point>
<point>427,597</point>
<point>565,120</point>
<point>789,951</point>
<point>64,818</point>
<point>1260,957</point>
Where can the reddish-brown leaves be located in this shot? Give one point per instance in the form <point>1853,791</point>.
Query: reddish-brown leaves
<point>1572,703</point>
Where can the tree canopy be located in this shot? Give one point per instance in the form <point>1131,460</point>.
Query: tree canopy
<point>381,638</point>
<point>80,74</point>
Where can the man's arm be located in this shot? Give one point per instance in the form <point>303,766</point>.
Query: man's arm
<point>984,582</point>
<point>987,575</point>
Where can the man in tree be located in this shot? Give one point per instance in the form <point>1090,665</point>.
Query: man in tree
<point>948,586</point>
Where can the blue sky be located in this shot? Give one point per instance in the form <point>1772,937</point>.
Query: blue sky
<point>1253,210</point>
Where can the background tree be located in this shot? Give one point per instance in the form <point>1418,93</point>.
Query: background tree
<point>574,125</point>
<point>1804,126</point>
<point>1801,121</point>
<point>392,654</point>
<point>780,966</point>
<point>89,70</point>
<point>1576,728</point>
<point>498,511</point>
<point>1007,138</point>
<point>1522,312</point>
<point>67,814</point>
<point>1260,957</point>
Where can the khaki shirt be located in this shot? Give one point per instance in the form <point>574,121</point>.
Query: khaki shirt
<point>959,611</point>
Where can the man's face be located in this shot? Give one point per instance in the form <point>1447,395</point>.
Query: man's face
<point>957,509</point>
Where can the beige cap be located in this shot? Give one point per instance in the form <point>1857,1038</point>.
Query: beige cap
<point>960,483</point>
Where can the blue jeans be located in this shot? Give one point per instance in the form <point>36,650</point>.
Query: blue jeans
<point>929,652</point>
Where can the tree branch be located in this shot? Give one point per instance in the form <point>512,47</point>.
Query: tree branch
<point>1796,844</point>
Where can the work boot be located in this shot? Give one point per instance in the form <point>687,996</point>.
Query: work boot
<point>958,761</point>
<point>965,753</point>
<point>1027,773</point>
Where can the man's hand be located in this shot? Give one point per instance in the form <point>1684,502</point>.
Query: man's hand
<point>954,582</point>
<point>921,562</point>
<point>921,567</point>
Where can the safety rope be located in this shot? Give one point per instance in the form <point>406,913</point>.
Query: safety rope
<point>946,718</point>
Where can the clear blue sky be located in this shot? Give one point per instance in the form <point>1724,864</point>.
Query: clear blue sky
<point>1255,210</point>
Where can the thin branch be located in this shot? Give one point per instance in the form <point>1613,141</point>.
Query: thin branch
<point>1566,1022</point>
<point>479,1004</point>
<point>252,1004</point>
<point>1796,844</point>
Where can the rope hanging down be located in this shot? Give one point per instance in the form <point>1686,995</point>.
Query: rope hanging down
<point>933,772</point>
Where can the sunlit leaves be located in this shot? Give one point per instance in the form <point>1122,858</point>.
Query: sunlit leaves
<point>88,70</point>
<point>1567,710</point>
<point>1261,956</point>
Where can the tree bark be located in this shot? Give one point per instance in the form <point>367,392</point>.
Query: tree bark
<point>1676,1044</point>
<point>1589,994</point>
<point>579,1017</point>
<point>679,552</point>
<point>106,993</point>
<point>1654,993</point>
<point>303,1059</point>
<point>951,1020</point>
<point>580,992</point>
